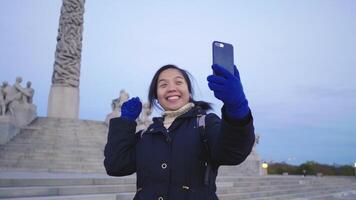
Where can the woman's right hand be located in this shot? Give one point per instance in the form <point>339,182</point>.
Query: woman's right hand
<point>131,109</point>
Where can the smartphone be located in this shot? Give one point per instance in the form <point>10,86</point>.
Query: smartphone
<point>223,55</point>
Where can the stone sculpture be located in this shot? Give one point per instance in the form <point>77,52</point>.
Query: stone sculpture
<point>29,92</point>
<point>16,108</point>
<point>144,119</point>
<point>2,102</point>
<point>117,103</point>
<point>63,101</point>
<point>116,106</point>
<point>66,69</point>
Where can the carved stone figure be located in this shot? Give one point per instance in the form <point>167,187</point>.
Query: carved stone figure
<point>17,98</point>
<point>257,139</point>
<point>116,106</point>
<point>69,44</point>
<point>2,102</point>
<point>11,95</point>
<point>117,103</point>
<point>28,93</point>
<point>144,120</point>
<point>16,109</point>
<point>20,91</point>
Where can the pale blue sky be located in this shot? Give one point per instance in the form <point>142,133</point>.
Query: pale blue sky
<point>296,59</point>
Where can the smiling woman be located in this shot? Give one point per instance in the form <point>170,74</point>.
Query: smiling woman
<point>178,155</point>
<point>172,88</point>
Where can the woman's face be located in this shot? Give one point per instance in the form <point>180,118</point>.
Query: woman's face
<point>172,90</point>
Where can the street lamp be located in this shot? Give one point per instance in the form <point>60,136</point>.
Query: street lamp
<point>264,168</point>
<point>265,165</point>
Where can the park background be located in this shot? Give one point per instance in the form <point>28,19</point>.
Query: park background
<point>296,59</point>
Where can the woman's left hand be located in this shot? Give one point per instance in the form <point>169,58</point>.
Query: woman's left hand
<point>227,87</point>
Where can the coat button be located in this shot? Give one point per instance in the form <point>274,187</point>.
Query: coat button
<point>164,165</point>
<point>160,198</point>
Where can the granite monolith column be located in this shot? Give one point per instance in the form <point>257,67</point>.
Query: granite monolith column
<point>63,101</point>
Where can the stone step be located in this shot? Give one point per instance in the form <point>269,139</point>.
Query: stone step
<point>32,182</point>
<point>103,189</point>
<point>54,169</point>
<point>344,195</point>
<point>226,190</point>
<point>330,194</point>
<point>37,179</point>
<point>268,181</point>
<point>77,197</point>
<point>69,132</point>
<point>32,160</point>
<point>51,148</point>
<point>270,178</point>
<point>52,140</point>
<point>6,192</point>
<point>267,188</point>
<point>60,121</point>
<point>13,192</point>
<point>281,194</point>
<point>54,156</point>
<point>90,188</point>
<point>53,165</point>
<point>227,181</point>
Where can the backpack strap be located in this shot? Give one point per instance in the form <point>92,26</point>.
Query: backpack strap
<point>204,140</point>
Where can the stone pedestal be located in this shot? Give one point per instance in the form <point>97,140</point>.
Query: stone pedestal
<point>10,125</point>
<point>264,172</point>
<point>24,113</point>
<point>114,114</point>
<point>8,129</point>
<point>63,102</point>
<point>250,167</point>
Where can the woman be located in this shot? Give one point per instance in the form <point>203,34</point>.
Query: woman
<point>172,158</point>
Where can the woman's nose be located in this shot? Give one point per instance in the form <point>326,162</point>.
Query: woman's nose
<point>171,87</point>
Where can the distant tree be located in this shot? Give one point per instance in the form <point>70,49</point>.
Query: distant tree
<point>312,168</point>
<point>309,166</point>
<point>345,170</point>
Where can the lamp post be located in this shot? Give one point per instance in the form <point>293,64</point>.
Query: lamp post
<point>355,169</point>
<point>264,168</point>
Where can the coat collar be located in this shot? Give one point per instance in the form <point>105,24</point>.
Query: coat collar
<point>197,110</point>
<point>158,127</point>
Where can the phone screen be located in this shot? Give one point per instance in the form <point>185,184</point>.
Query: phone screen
<point>223,55</point>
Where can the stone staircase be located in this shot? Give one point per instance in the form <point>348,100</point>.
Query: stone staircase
<point>63,159</point>
<point>68,145</point>
<point>56,145</point>
<point>99,186</point>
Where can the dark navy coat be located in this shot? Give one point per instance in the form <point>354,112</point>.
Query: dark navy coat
<point>170,164</point>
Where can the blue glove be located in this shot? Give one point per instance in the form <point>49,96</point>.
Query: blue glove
<point>228,89</point>
<point>131,109</point>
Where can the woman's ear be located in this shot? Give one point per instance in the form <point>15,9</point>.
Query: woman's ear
<point>190,97</point>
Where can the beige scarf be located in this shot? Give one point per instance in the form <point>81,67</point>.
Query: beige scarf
<point>170,116</point>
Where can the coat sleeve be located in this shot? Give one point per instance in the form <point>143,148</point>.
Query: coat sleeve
<point>120,149</point>
<point>230,141</point>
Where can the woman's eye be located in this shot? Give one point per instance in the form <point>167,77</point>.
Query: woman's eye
<point>179,82</point>
<point>163,85</point>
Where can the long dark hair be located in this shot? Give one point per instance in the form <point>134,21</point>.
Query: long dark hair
<point>152,92</point>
